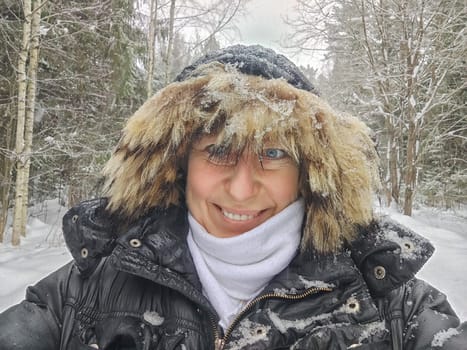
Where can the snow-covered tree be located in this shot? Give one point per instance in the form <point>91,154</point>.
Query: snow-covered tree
<point>391,63</point>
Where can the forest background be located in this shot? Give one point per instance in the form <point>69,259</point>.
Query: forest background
<point>72,72</point>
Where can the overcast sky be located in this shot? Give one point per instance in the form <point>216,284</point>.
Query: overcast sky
<point>264,25</point>
<point>263,22</point>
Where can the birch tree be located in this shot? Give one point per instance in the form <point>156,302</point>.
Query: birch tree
<point>27,70</point>
<point>18,229</point>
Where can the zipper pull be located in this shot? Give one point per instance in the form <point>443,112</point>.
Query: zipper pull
<point>219,344</point>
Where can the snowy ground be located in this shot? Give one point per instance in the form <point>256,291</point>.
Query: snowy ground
<point>43,250</point>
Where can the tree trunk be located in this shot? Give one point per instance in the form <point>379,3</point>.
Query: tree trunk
<point>20,122</point>
<point>26,101</point>
<point>412,139</point>
<point>410,49</point>
<point>411,171</point>
<point>6,165</point>
<point>168,56</point>
<point>31,100</point>
<point>4,200</point>
<point>151,46</point>
<point>392,156</point>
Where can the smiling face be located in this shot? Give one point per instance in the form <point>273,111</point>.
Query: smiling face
<point>229,195</point>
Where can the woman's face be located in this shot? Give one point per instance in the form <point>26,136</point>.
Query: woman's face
<point>229,197</point>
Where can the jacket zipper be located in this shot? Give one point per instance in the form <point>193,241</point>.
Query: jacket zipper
<point>220,340</point>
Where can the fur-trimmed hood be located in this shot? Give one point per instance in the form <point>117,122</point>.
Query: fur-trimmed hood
<point>336,156</point>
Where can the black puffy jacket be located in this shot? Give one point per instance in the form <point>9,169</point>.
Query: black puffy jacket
<point>139,290</point>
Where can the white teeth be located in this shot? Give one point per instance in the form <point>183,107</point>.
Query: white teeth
<point>237,217</point>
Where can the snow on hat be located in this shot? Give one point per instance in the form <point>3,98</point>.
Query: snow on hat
<point>254,60</point>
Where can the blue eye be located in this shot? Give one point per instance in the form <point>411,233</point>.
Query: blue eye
<point>274,153</point>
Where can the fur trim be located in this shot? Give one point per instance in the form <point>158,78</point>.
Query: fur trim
<point>337,158</point>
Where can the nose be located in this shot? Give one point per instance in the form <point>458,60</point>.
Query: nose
<point>243,183</point>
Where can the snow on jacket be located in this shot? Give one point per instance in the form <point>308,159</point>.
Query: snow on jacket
<point>138,289</point>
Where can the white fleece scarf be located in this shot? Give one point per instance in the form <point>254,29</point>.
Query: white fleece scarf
<point>234,270</point>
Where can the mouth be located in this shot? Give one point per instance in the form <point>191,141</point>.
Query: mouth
<point>238,217</point>
<point>232,222</point>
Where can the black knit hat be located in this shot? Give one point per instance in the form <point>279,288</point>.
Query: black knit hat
<point>254,60</point>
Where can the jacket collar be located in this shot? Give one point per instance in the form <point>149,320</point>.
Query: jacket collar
<point>385,253</point>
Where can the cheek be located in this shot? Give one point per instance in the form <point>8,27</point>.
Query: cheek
<point>285,188</point>
<point>200,181</point>
<point>192,181</point>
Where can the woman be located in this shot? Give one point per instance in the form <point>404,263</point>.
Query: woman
<point>237,216</point>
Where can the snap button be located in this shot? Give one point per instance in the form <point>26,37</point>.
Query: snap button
<point>408,246</point>
<point>351,306</point>
<point>74,218</point>
<point>135,242</point>
<point>84,252</point>
<point>380,272</point>
<point>259,331</point>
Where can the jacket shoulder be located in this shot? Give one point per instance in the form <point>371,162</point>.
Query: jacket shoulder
<point>389,255</point>
<point>90,233</point>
